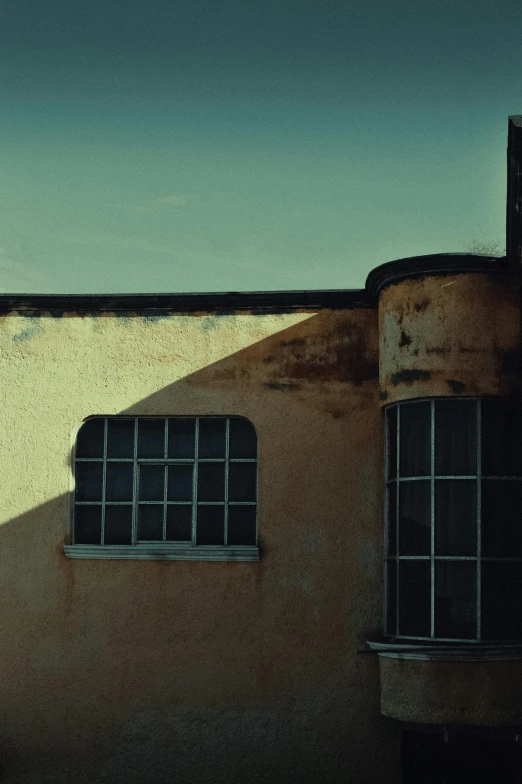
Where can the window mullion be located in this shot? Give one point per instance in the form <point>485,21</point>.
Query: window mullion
<point>386,523</point>
<point>165,480</point>
<point>432,516</point>
<point>104,480</point>
<point>135,486</point>
<point>397,520</point>
<point>479,519</point>
<point>227,453</point>
<point>195,483</point>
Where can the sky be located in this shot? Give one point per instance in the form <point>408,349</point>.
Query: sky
<point>241,145</point>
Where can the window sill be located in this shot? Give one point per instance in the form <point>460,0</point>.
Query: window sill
<point>163,552</point>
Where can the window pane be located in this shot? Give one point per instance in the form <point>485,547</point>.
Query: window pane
<point>242,439</point>
<point>242,481</point>
<point>210,525</point>
<point>391,423</point>
<point>87,525</point>
<point>392,519</point>
<point>211,481</point>
<point>90,438</point>
<point>179,523</point>
<point>242,525</point>
<point>455,437</point>
<point>181,437</point>
<point>152,482</point>
<point>501,601</point>
<point>89,480</point>
<point>151,438</point>
<point>118,485</point>
<point>118,525</point>
<point>456,599</point>
<point>150,522</point>
<point>501,438</point>
<point>212,437</point>
<point>414,518</point>
<point>501,518</point>
<point>391,596</point>
<point>414,598</point>
<point>120,438</point>
<point>415,419</point>
<point>180,483</point>
<point>456,517</point>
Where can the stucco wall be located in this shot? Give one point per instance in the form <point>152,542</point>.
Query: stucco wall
<point>142,671</point>
<point>450,335</point>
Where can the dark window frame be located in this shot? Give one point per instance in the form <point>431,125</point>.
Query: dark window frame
<point>394,559</point>
<point>227,546</point>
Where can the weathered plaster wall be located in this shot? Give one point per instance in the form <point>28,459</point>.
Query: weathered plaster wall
<point>142,671</point>
<point>463,692</point>
<point>449,335</point>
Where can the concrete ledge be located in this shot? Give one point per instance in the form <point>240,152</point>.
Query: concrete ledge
<point>163,552</point>
<point>473,692</point>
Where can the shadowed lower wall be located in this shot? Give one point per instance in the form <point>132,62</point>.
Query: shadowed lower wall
<point>133,671</point>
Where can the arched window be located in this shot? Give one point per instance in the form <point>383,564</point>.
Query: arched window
<point>454,519</point>
<point>180,487</point>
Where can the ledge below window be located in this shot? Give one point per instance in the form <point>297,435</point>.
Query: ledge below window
<point>164,552</point>
<point>475,684</point>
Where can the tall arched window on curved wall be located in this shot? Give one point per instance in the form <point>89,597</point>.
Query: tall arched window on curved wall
<point>153,487</point>
<point>454,520</point>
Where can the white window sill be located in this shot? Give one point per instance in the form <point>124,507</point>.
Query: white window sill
<point>163,552</point>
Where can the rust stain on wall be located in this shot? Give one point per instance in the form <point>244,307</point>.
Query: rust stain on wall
<point>339,353</point>
<point>405,339</point>
<point>421,306</point>
<point>441,350</point>
<point>463,338</point>
<point>409,376</point>
<point>289,387</point>
<point>456,386</point>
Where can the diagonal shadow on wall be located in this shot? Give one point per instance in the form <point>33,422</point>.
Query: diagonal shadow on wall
<point>187,662</point>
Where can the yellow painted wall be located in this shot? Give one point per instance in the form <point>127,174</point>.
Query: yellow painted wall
<point>144,671</point>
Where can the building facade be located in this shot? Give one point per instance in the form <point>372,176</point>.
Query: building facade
<point>268,537</point>
<point>193,538</point>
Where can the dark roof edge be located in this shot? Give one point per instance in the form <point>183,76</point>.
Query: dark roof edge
<point>434,264</point>
<point>220,302</point>
<point>258,301</point>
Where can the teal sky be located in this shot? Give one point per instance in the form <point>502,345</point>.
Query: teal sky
<point>198,145</point>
